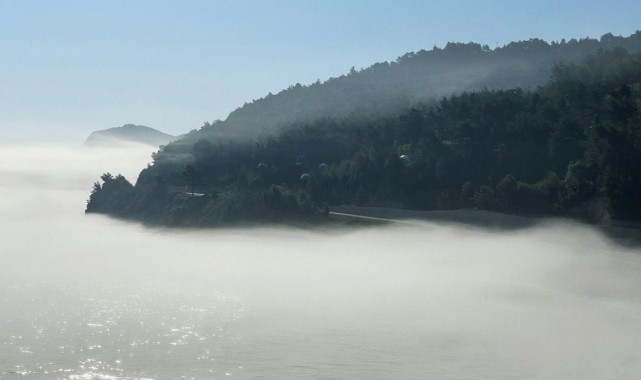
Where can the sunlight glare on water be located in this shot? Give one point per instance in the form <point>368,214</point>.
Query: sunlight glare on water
<point>89,297</point>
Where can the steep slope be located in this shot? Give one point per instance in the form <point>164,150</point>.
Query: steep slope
<point>571,147</point>
<point>388,87</point>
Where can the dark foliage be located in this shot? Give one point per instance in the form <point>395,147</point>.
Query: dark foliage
<point>570,147</point>
<point>387,87</point>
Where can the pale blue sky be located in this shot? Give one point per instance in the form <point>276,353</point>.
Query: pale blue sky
<point>70,67</point>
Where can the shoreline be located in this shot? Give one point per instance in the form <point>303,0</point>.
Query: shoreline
<point>489,220</point>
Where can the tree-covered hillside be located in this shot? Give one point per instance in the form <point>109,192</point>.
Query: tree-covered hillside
<point>570,147</point>
<point>388,87</point>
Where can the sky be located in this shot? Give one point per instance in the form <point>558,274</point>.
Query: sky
<point>71,67</point>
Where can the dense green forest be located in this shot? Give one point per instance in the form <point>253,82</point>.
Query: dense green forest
<point>569,147</point>
<point>388,87</point>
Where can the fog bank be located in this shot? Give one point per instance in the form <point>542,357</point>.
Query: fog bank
<point>87,297</point>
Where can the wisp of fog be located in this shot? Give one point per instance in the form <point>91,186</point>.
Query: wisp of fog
<point>89,297</point>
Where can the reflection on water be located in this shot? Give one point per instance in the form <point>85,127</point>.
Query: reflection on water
<point>87,297</point>
<point>111,332</point>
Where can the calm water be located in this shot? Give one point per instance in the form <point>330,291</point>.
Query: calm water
<point>87,297</point>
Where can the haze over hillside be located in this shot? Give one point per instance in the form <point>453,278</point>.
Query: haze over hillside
<point>388,87</point>
<point>467,211</point>
<point>129,133</point>
<point>570,147</point>
<point>89,297</point>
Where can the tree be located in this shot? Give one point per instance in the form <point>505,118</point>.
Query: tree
<point>192,178</point>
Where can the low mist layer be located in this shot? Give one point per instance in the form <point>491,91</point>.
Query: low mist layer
<point>91,297</point>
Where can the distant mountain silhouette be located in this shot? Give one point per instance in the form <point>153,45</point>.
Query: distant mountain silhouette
<point>129,133</point>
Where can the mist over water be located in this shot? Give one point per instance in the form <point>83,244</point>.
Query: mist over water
<point>89,297</point>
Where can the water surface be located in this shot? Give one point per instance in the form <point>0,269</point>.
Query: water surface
<point>88,297</point>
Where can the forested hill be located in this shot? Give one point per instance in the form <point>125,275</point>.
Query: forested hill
<point>387,87</point>
<point>571,147</point>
